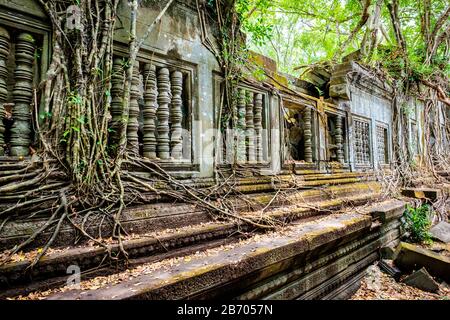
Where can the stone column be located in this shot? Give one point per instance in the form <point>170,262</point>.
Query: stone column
<point>4,52</point>
<point>117,79</point>
<point>339,139</point>
<point>258,126</point>
<point>249,128</point>
<point>133,123</point>
<point>149,113</point>
<point>176,115</point>
<point>22,94</point>
<point>240,130</point>
<point>163,148</point>
<point>307,134</point>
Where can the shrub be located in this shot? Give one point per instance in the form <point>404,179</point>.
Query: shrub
<point>416,223</point>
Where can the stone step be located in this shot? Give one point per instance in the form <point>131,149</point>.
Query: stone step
<point>389,233</point>
<point>145,246</point>
<point>226,271</point>
<point>156,217</point>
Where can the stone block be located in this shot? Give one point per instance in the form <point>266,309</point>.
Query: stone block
<point>388,210</point>
<point>441,231</point>
<point>422,280</point>
<point>421,193</point>
<point>409,257</point>
<point>388,267</point>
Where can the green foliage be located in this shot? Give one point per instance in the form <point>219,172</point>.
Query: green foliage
<point>416,221</point>
<point>253,16</point>
<point>302,32</point>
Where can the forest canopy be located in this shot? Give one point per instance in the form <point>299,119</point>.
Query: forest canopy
<point>405,37</point>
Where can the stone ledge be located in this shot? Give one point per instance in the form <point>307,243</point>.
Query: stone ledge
<point>409,257</point>
<point>422,193</point>
<point>90,257</point>
<point>193,277</point>
<point>388,210</point>
<point>154,217</point>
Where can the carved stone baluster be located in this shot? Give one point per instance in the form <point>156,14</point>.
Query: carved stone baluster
<point>4,52</point>
<point>117,79</point>
<point>366,144</point>
<point>133,123</point>
<point>240,130</point>
<point>249,130</point>
<point>149,111</point>
<point>307,134</point>
<point>339,139</point>
<point>258,126</point>
<point>163,147</point>
<point>22,94</point>
<point>358,156</point>
<point>176,115</point>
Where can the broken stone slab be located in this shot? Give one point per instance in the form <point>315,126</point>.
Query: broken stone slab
<point>441,231</point>
<point>422,193</point>
<point>409,257</point>
<point>388,267</point>
<point>388,210</point>
<point>422,280</point>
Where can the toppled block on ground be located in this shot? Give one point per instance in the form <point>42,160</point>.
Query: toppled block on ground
<point>409,257</point>
<point>422,193</point>
<point>441,231</point>
<point>422,280</point>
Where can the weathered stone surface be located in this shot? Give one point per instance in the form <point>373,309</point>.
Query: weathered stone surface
<point>410,257</point>
<point>388,210</point>
<point>387,252</point>
<point>422,280</point>
<point>441,231</point>
<point>421,193</point>
<point>388,267</point>
<point>192,277</point>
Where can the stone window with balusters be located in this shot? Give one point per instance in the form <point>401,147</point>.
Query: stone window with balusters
<point>382,144</point>
<point>19,73</point>
<point>250,138</point>
<point>159,125</point>
<point>361,132</point>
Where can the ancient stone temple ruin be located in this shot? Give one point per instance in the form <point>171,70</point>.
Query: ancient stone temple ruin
<point>322,152</point>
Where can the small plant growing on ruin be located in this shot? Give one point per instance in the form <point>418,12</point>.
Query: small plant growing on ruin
<point>416,223</point>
